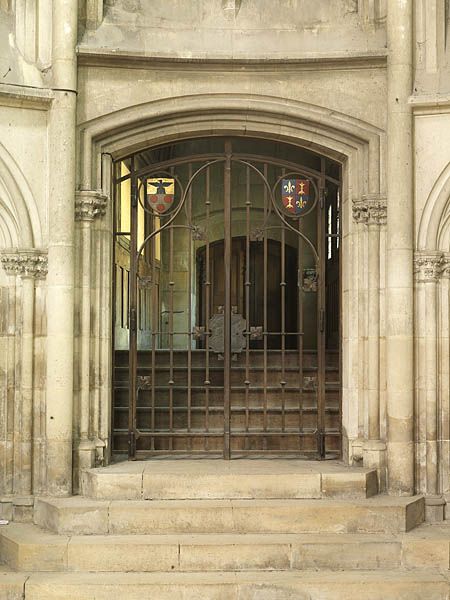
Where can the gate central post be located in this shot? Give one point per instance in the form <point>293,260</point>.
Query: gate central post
<point>227,312</point>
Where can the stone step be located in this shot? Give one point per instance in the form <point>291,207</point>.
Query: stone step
<point>323,585</point>
<point>26,547</point>
<point>219,479</point>
<point>80,516</point>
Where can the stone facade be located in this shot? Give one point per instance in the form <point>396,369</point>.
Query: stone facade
<point>82,86</point>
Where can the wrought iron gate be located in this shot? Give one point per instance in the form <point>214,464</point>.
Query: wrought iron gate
<point>232,306</point>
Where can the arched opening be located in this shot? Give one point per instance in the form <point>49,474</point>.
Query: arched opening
<point>227,318</point>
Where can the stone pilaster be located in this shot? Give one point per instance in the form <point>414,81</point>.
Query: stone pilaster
<point>60,278</point>
<point>400,250</point>
<point>29,265</point>
<point>371,211</point>
<point>89,205</point>
<point>428,268</point>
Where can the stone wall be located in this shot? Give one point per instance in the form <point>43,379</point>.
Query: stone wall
<point>315,74</point>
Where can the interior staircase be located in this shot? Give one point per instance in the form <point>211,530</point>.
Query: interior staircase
<point>253,529</point>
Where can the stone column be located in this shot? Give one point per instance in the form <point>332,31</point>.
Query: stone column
<point>428,268</point>
<point>29,265</point>
<point>60,303</point>
<point>371,211</point>
<point>444,381</point>
<point>400,239</point>
<point>88,205</point>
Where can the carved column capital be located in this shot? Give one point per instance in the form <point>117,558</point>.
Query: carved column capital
<point>89,204</point>
<point>445,273</point>
<point>25,263</point>
<point>428,266</point>
<point>371,209</point>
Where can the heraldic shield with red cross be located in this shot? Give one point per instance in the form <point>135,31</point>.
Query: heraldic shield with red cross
<point>295,195</point>
<point>160,194</point>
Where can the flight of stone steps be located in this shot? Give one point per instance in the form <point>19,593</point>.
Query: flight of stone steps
<point>213,529</point>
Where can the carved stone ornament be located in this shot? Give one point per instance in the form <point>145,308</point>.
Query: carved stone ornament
<point>428,266</point>
<point>216,338</point>
<point>231,8</point>
<point>446,266</point>
<point>25,263</point>
<point>370,210</point>
<point>89,205</point>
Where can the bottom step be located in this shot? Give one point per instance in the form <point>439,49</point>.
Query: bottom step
<point>324,585</point>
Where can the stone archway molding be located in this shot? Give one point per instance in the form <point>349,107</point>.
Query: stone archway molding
<point>356,144</point>
<point>19,217</point>
<point>434,221</point>
<point>328,132</point>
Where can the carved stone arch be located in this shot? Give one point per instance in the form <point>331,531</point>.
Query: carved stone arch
<point>18,210</point>
<point>434,221</point>
<point>330,133</point>
<point>359,146</point>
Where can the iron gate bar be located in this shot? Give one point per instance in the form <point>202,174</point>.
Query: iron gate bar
<point>227,294</point>
<point>207,285</point>
<point>133,325</point>
<point>265,322</point>
<point>247,297</point>
<point>321,313</point>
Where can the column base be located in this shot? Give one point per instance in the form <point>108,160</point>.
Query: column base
<point>100,447</point>
<point>434,508</point>
<point>356,448</point>
<point>374,457</point>
<point>84,458</point>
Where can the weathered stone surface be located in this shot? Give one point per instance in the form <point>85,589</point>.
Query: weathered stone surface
<point>80,516</point>
<point>11,584</point>
<point>389,585</point>
<point>172,479</point>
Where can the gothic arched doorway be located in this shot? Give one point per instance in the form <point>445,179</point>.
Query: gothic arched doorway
<point>227,329</point>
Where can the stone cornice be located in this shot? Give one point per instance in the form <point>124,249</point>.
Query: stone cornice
<point>370,210</point>
<point>103,57</point>
<point>428,266</point>
<point>25,263</point>
<point>23,96</point>
<point>89,204</point>
<point>430,104</point>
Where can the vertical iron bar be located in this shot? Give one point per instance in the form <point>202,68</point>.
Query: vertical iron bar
<point>283,327</point>
<point>265,323</point>
<point>207,306</point>
<point>227,312</point>
<point>300,329</point>
<point>321,245</point>
<point>154,326</point>
<point>132,376</point>
<point>171,371</point>
<point>189,329</point>
<point>283,323</point>
<point>247,303</point>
